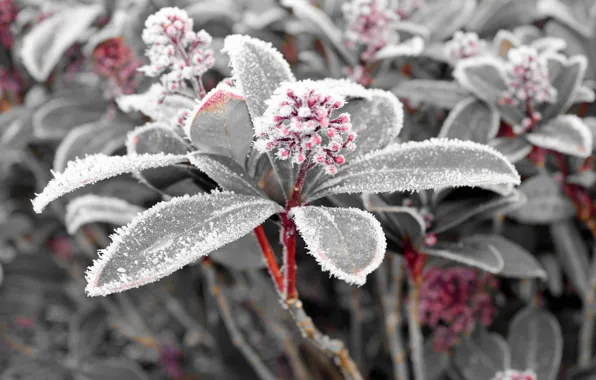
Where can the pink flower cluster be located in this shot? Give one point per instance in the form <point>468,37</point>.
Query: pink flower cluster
<point>114,59</point>
<point>512,374</point>
<point>174,47</point>
<point>452,300</point>
<point>463,45</point>
<point>8,14</point>
<point>298,124</point>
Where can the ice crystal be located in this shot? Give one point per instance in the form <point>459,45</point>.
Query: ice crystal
<point>298,125</point>
<point>463,45</point>
<point>512,374</point>
<point>452,300</point>
<point>91,169</point>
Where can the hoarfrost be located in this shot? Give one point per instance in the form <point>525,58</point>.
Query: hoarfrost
<point>149,104</point>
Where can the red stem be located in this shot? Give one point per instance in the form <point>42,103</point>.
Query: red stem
<point>272,266</point>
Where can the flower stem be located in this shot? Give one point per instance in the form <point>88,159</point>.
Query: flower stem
<point>289,243</point>
<point>415,263</point>
<point>269,256</point>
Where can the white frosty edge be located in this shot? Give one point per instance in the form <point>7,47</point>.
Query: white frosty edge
<point>446,254</point>
<point>397,106</point>
<point>462,65</point>
<point>74,219</point>
<point>369,206</point>
<point>344,87</point>
<point>120,235</point>
<point>412,47</point>
<point>298,214</point>
<point>60,156</point>
<point>97,167</point>
<point>130,137</point>
<point>552,142</point>
<point>501,36</point>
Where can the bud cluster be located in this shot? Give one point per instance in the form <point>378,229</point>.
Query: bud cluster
<point>114,59</point>
<point>299,126</point>
<point>463,45</point>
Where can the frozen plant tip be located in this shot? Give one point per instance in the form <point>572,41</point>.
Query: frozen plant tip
<point>511,374</point>
<point>463,45</point>
<point>172,45</point>
<point>298,125</point>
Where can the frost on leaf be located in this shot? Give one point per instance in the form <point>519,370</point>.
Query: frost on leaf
<point>93,208</point>
<point>220,124</point>
<point>347,242</point>
<point>475,254</point>
<point>514,148</point>
<point>440,93</point>
<point>518,262</point>
<point>45,44</point>
<point>153,104</point>
<point>257,69</point>
<point>415,166</point>
<point>155,138</point>
<point>377,121</point>
<point>91,169</point>
<point>471,120</point>
<point>345,88</point>
<point>173,234</point>
<point>483,76</point>
<point>536,343</point>
<point>566,134</point>
<point>226,172</point>
<point>412,47</point>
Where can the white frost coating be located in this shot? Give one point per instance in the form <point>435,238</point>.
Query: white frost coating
<point>412,47</point>
<point>173,234</point>
<point>344,87</point>
<point>491,88</point>
<point>91,169</point>
<point>415,166</point>
<point>165,140</point>
<point>347,242</point>
<point>45,44</point>
<point>148,104</point>
<point>94,208</point>
<point>258,69</point>
<point>567,134</point>
<point>472,120</point>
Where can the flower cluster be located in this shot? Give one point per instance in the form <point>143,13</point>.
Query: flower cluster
<point>511,374</point>
<point>528,82</point>
<point>369,25</point>
<point>463,45</point>
<point>8,14</point>
<point>115,60</point>
<point>174,47</point>
<point>452,300</point>
<point>299,126</point>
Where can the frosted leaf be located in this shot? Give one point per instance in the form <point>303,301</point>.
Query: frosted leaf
<point>91,169</point>
<point>482,355</point>
<point>319,20</point>
<point>518,262</point>
<point>347,242</point>
<point>584,94</point>
<point>173,234</point>
<point>572,252</point>
<point>242,254</point>
<point>46,43</point>
<point>149,104</point>
<point>536,342</point>
<point>450,215</point>
<point>471,253</point>
<point>377,121</point>
<point>566,134</point>
<point>227,173</point>
<point>104,136</point>
<point>155,138</point>
<point>483,76</point>
<point>93,208</point>
<point>439,93</point>
<point>575,17</point>
<point>566,76</point>
<point>56,118</point>
<point>408,48</point>
<point>220,124</point>
<point>444,18</point>
<point>416,166</point>
<point>406,222</point>
<point>545,203</point>
<point>258,69</point>
<point>345,88</point>
<point>514,148</point>
<point>471,120</point>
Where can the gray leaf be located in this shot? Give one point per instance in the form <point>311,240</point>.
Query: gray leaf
<point>483,76</point>
<point>347,242</point>
<point>227,173</point>
<point>443,19</point>
<point>514,148</point>
<point>220,124</point>
<point>536,343</point>
<point>416,166</point>
<point>436,362</point>
<point>566,134</point>
<point>173,234</point>
<point>552,267</point>
<point>472,120</point>
<point>155,138</point>
<point>490,16</point>
<point>404,222</point>
<point>572,252</point>
<point>93,208</point>
<point>469,252</point>
<point>258,69</point>
<point>482,356</point>
<point>517,261</point>
<point>545,202</point>
<point>439,93</point>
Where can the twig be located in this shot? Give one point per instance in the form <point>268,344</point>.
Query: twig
<point>356,326</point>
<point>333,348</point>
<point>226,314</point>
<point>391,304</point>
<point>416,338</point>
<point>586,331</point>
